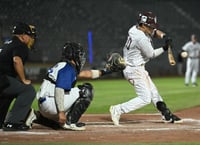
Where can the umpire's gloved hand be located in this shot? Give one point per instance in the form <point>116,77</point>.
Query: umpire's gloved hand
<point>168,42</point>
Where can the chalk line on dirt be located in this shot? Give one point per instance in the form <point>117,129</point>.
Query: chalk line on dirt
<point>126,125</point>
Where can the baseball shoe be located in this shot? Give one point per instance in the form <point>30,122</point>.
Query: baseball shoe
<point>30,118</point>
<point>167,119</point>
<point>115,116</point>
<point>176,119</point>
<point>171,119</point>
<point>194,84</point>
<point>15,127</point>
<point>74,126</point>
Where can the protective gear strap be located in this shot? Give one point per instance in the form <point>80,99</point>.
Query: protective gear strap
<point>59,99</point>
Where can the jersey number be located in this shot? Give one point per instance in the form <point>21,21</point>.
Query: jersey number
<point>128,43</point>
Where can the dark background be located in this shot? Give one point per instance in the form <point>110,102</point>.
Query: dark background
<point>59,21</point>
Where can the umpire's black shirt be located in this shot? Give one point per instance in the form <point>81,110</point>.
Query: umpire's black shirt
<point>12,48</point>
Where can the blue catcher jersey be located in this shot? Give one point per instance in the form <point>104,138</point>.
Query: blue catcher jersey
<point>64,75</point>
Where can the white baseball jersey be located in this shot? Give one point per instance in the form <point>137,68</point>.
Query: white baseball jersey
<point>137,51</point>
<point>192,49</point>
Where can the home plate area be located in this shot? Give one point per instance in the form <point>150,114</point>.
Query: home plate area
<point>134,128</point>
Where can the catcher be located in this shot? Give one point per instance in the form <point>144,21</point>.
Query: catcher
<point>61,104</point>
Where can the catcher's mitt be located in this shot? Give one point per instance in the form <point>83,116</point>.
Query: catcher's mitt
<point>115,63</point>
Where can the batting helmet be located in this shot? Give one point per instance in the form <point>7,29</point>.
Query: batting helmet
<point>74,51</point>
<point>23,28</point>
<point>148,18</point>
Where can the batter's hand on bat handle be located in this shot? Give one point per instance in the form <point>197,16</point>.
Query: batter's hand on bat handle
<point>168,42</point>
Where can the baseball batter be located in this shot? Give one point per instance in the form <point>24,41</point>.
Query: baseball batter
<point>191,50</point>
<point>137,51</point>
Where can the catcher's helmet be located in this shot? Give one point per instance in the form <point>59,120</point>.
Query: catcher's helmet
<point>148,18</point>
<point>74,51</point>
<point>23,28</point>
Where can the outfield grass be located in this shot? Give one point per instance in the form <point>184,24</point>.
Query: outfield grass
<point>109,92</point>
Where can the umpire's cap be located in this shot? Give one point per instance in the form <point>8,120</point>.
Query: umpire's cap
<point>23,28</point>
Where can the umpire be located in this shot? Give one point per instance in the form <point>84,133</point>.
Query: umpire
<point>13,83</point>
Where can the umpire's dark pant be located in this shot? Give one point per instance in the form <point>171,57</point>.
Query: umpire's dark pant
<point>24,95</point>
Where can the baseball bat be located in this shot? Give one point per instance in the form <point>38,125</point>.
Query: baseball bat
<point>171,57</point>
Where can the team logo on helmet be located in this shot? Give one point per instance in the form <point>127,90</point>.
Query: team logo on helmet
<point>144,19</point>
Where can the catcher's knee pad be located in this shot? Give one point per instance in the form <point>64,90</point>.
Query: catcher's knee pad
<point>86,91</point>
<point>81,104</point>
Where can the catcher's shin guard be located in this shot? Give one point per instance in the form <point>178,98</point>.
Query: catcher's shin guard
<point>81,104</point>
<point>162,107</point>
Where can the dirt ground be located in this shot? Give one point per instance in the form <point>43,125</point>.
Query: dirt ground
<point>135,128</point>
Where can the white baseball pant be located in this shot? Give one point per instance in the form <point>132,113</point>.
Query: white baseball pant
<point>48,107</point>
<point>145,89</point>
<point>192,68</point>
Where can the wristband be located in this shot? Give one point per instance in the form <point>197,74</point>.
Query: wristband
<point>95,74</point>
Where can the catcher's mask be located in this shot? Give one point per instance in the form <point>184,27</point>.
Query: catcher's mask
<point>148,19</point>
<point>74,52</point>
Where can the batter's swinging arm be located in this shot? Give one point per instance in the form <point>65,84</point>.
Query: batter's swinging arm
<point>171,59</point>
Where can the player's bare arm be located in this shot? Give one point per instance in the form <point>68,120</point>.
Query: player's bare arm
<point>59,100</point>
<point>91,74</point>
<point>159,34</point>
<point>19,67</point>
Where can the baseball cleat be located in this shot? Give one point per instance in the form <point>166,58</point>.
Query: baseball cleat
<point>115,116</point>
<point>167,118</point>
<point>176,119</point>
<point>30,118</point>
<point>194,84</point>
<point>74,127</point>
<point>172,119</point>
<point>15,127</point>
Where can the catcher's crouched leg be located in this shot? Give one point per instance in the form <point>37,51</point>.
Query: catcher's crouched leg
<point>80,106</point>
